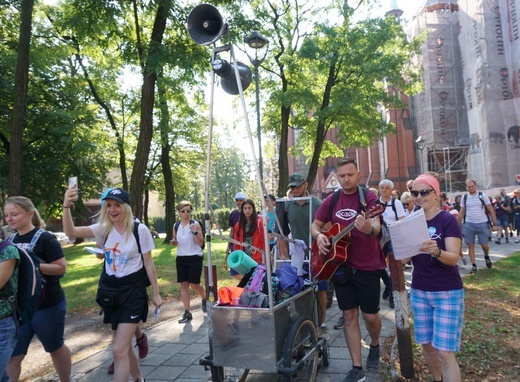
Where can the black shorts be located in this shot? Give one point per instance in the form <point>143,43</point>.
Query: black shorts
<point>132,310</point>
<point>362,289</point>
<point>189,268</point>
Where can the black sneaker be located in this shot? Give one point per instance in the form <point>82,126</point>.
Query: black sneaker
<point>391,303</point>
<point>489,264</point>
<point>497,241</point>
<point>373,358</point>
<point>204,305</point>
<point>355,375</point>
<point>473,269</point>
<point>185,317</point>
<point>340,323</point>
<point>387,292</point>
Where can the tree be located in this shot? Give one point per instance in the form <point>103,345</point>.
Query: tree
<point>20,98</point>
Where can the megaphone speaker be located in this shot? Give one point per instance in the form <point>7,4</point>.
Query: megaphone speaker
<point>205,24</point>
<point>226,72</point>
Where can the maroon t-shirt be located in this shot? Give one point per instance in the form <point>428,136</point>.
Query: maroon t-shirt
<point>364,252</point>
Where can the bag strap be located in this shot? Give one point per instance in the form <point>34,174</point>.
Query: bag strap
<point>35,238</point>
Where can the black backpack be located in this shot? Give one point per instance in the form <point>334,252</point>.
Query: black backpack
<point>202,226</point>
<point>29,286</point>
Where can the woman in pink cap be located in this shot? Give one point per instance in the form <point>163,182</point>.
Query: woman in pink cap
<point>437,294</point>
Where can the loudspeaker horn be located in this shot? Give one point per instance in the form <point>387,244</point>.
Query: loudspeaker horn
<point>227,74</point>
<point>205,24</point>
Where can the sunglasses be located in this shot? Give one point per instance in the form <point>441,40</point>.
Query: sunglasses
<point>293,187</point>
<point>406,204</point>
<point>424,193</point>
<point>184,211</point>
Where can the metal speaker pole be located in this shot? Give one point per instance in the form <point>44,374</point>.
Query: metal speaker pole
<point>205,24</point>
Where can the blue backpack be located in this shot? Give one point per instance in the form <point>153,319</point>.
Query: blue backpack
<point>25,302</point>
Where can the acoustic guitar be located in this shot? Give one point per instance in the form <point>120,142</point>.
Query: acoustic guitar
<point>324,266</point>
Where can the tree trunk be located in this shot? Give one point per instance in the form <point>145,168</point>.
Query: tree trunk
<point>147,105</point>
<point>20,99</point>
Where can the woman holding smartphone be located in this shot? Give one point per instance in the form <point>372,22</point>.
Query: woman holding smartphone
<point>125,276</point>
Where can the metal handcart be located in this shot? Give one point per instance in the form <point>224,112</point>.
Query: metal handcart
<point>282,338</point>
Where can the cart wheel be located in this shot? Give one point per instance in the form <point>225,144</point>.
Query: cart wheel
<point>228,374</point>
<point>301,341</point>
<point>325,354</point>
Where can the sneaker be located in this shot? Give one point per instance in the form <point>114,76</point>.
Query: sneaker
<point>111,368</point>
<point>340,323</point>
<point>489,264</point>
<point>473,269</point>
<point>324,331</point>
<point>373,358</point>
<point>497,241</point>
<point>507,240</point>
<point>204,305</point>
<point>464,261</point>
<point>391,302</point>
<point>355,375</point>
<point>517,241</point>
<point>185,317</point>
<point>142,345</point>
<point>387,292</point>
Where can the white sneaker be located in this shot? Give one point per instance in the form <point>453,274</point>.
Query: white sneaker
<point>324,331</point>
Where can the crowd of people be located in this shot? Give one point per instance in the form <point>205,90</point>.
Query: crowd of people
<point>129,269</point>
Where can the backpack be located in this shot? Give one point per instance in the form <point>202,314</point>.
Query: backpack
<point>385,232</point>
<point>29,286</point>
<point>481,198</point>
<point>202,226</point>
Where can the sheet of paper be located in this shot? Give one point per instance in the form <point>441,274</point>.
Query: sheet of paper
<point>408,235</point>
<point>94,250</point>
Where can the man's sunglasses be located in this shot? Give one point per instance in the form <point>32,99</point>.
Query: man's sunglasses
<point>184,211</point>
<point>423,193</point>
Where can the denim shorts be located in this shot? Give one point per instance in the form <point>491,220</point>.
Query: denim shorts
<point>480,230</point>
<point>48,325</point>
<point>438,318</point>
<point>7,341</point>
<point>503,221</point>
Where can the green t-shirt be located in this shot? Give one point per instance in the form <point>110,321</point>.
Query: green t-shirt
<point>298,218</point>
<point>8,253</point>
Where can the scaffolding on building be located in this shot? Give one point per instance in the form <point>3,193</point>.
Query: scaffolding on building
<point>451,164</point>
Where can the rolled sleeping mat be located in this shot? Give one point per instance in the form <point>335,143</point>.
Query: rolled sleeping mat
<point>241,262</point>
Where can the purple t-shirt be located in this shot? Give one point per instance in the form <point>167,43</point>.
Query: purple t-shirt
<point>429,274</point>
<point>364,252</point>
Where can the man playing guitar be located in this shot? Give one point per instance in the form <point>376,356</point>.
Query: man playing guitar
<point>357,282</point>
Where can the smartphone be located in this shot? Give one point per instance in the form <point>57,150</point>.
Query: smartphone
<point>73,180</point>
<point>157,312</point>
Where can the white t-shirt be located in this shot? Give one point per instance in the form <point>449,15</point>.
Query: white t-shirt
<point>475,211</point>
<point>122,256</point>
<point>389,215</point>
<point>186,245</point>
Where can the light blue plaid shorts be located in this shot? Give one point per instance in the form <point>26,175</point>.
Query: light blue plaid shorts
<point>438,318</point>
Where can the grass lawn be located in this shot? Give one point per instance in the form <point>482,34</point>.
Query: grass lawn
<point>83,270</point>
<point>490,348</point>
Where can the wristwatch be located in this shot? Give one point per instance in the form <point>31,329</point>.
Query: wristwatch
<point>371,232</point>
<point>194,232</point>
<point>439,251</point>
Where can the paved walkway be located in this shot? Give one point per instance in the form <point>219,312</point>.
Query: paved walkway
<point>175,349</point>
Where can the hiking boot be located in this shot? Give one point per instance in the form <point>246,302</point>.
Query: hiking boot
<point>489,264</point>
<point>373,358</point>
<point>186,317</point>
<point>473,269</point>
<point>142,345</point>
<point>204,305</point>
<point>497,241</point>
<point>391,302</point>
<point>355,375</point>
<point>111,368</point>
<point>387,292</point>
<point>340,323</point>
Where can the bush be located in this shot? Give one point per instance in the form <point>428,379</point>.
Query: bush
<point>221,216</point>
<point>158,224</point>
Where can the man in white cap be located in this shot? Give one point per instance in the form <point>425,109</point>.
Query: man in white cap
<point>233,219</point>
